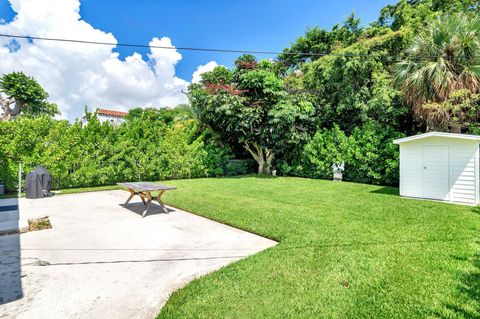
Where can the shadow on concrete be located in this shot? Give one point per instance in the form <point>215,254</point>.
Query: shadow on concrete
<point>10,259</point>
<point>138,208</point>
<point>386,190</point>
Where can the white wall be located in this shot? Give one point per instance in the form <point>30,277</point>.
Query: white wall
<point>105,118</point>
<point>463,174</point>
<point>114,120</point>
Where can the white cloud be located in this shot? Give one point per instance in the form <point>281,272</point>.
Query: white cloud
<point>196,77</point>
<point>81,74</point>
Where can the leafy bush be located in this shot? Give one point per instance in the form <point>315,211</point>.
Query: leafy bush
<point>368,153</point>
<point>100,154</point>
<point>219,162</point>
<point>239,167</point>
<point>372,157</point>
<point>325,148</point>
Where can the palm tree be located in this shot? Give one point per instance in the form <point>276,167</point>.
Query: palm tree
<point>444,58</point>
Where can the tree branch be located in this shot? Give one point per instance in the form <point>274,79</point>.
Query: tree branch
<point>259,151</point>
<point>249,149</point>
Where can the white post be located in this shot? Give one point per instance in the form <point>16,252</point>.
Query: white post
<point>19,179</point>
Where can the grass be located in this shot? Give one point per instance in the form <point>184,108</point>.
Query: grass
<point>87,189</point>
<point>9,195</point>
<point>70,191</point>
<point>345,251</point>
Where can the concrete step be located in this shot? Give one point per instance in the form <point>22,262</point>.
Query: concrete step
<point>8,202</point>
<point>13,226</point>
<point>9,215</point>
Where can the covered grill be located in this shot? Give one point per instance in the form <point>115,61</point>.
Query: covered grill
<point>38,183</point>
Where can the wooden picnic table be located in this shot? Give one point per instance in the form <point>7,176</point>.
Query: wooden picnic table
<point>144,190</point>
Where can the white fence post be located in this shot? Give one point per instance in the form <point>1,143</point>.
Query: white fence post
<point>19,179</point>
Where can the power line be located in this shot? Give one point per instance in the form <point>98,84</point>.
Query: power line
<point>182,48</point>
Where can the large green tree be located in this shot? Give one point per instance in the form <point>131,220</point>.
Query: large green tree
<point>22,94</point>
<point>416,14</point>
<point>249,106</point>
<point>442,59</point>
<point>355,86</point>
<point>320,41</point>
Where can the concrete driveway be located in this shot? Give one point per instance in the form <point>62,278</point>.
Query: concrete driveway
<point>101,260</point>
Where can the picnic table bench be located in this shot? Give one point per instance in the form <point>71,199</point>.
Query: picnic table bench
<point>144,190</point>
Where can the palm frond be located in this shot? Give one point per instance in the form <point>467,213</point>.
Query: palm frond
<point>475,69</point>
<point>442,59</point>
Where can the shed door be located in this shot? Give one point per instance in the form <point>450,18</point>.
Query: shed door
<point>436,172</point>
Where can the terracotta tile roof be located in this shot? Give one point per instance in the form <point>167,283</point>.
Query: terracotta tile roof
<point>111,113</point>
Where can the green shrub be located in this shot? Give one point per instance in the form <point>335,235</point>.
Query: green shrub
<point>239,167</point>
<point>220,162</point>
<point>100,154</point>
<point>372,157</point>
<point>368,153</point>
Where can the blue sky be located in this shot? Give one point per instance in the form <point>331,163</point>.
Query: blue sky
<point>256,25</point>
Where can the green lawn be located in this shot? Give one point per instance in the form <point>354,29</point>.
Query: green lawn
<point>345,251</point>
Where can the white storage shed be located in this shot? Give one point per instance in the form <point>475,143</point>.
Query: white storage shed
<point>440,166</point>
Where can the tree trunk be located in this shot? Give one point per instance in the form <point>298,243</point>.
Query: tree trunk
<point>18,106</point>
<point>263,157</point>
<point>8,112</point>
<point>268,162</point>
<point>260,167</point>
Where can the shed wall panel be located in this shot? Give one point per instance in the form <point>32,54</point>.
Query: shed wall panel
<point>464,175</point>
<point>411,170</point>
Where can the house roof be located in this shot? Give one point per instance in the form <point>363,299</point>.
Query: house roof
<point>437,134</point>
<point>111,113</point>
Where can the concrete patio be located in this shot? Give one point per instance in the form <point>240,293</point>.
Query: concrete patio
<point>101,260</point>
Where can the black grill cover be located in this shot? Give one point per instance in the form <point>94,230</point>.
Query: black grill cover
<point>38,183</point>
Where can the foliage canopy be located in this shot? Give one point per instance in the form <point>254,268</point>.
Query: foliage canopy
<point>249,106</point>
<point>24,95</point>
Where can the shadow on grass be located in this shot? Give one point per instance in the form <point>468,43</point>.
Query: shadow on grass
<point>253,175</point>
<point>469,289</point>
<point>476,210</point>
<point>386,190</point>
<point>354,245</point>
<point>471,286</point>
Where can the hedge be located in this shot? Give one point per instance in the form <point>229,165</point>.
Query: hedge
<point>100,154</point>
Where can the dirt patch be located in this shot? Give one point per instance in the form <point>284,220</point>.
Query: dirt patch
<point>39,224</point>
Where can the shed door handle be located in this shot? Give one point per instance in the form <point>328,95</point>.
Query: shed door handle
<point>424,167</point>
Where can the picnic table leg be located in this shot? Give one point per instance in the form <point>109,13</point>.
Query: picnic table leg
<point>159,200</point>
<point>132,193</point>
<point>149,201</point>
<point>143,200</point>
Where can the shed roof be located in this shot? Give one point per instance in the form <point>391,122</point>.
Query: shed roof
<point>437,134</point>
